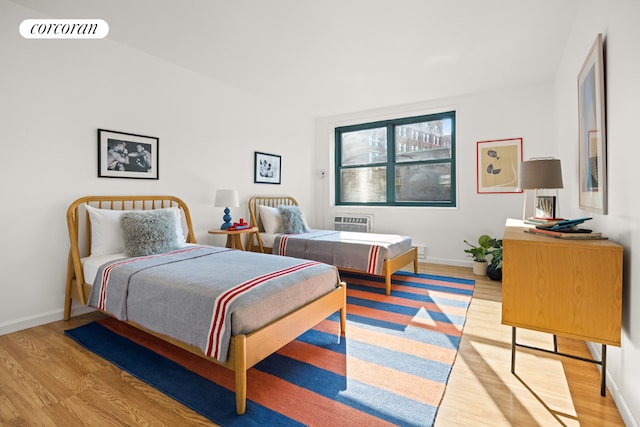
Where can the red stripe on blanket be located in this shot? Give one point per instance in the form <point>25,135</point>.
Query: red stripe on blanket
<point>374,251</point>
<point>102,300</point>
<point>221,305</point>
<point>282,246</point>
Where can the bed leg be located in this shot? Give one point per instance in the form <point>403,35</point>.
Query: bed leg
<point>415,260</point>
<point>67,291</point>
<point>387,281</point>
<point>343,311</point>
<point>241,373</point>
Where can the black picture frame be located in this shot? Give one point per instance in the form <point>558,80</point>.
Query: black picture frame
<point>267,168</point>
<point>127,155</point>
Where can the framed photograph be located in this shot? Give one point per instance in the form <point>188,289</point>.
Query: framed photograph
<point>545,207</point>
<point>497,164</point>
<point>127,155</point>
<point>267,168</point>
<point>592,135</point>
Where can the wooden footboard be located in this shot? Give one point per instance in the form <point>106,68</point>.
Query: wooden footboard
<point>392,265</point>
<point>256,346</point>
<point>245,351</point>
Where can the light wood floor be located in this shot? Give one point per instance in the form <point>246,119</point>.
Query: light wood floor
<point>48,380</point>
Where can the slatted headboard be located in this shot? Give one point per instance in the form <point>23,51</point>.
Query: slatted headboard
<point>255,244</point>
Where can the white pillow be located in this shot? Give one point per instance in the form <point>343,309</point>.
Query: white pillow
<point>106,233</point>
<point>271,219</point>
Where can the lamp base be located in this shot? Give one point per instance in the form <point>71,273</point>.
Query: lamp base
<point>227,219</point>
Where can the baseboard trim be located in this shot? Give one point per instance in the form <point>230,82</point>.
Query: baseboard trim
<point>445,261</point>
<point>41,319</point>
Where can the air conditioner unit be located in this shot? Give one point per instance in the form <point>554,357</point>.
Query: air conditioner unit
<point>354,222</point>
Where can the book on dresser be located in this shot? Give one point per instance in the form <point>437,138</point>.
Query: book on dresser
<point>574,234</point>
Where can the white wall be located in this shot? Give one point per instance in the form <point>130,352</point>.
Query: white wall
<point>55,94</point>
<point>617,21</point>
<point>523,112</point>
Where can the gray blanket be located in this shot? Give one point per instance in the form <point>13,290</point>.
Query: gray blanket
<point>202,295</point>
<point>364,252</point>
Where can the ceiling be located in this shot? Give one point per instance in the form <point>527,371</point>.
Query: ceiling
<point>328,57</point>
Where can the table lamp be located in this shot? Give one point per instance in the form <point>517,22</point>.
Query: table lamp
<point>537,174</point>
<point>226,198</point>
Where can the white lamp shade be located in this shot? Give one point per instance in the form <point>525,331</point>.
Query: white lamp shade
<point>227,199</point>
<point>540,173</point>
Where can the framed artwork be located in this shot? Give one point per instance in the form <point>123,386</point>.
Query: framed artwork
<point>592,135</point>
<point>267,168</point>
<point>497,164</point>
<point>545,207</point>
<point>127,155</point>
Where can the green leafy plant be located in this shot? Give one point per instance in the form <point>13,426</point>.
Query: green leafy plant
<point>496,253</point>
<point>494,270</point>
<point>479,252</point>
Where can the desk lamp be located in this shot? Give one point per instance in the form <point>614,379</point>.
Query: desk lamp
<point>226,198</point>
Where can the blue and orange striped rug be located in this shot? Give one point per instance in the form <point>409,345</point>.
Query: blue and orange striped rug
<point>391,369</point>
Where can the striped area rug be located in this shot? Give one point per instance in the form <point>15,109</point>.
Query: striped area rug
<point>391,369</point>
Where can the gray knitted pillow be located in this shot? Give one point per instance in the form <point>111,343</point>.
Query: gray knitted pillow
<point>292,222</point>
<point>148,232</point>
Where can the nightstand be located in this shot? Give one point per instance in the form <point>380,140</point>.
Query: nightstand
<point>234,237</point>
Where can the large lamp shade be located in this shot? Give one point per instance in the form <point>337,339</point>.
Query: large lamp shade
<point>537,174</point>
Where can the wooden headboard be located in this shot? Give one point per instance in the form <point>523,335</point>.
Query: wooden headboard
<point>79,227</point>
<point>255,244</point>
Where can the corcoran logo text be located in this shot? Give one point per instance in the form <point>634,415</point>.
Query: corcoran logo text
<point>64,29</point>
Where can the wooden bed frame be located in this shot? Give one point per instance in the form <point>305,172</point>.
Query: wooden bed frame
<point>244,350</point>
<point>390,266</point>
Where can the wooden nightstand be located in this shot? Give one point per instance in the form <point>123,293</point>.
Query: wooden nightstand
<point>234,237</point>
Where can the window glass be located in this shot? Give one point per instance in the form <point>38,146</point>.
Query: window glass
<point>423,183</point>
<point>364,147</point>
<point>364,185</point>
<point>423,141</point>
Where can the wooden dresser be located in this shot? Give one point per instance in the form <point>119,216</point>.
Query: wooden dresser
<point>570,288</point>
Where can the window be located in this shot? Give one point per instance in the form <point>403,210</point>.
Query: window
<point>400,162</point>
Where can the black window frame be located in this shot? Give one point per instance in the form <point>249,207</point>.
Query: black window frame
<point>391,164</point>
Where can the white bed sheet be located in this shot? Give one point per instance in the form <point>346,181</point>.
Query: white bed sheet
<point>91,264</point>
<point>267,239</point>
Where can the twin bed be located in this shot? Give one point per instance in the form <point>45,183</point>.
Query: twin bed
<point>234,308</point>
<point>369,253</point>
<point>136,258</point>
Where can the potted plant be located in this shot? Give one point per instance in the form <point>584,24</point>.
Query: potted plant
<point>494,270</point>
<point>479,254</point>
